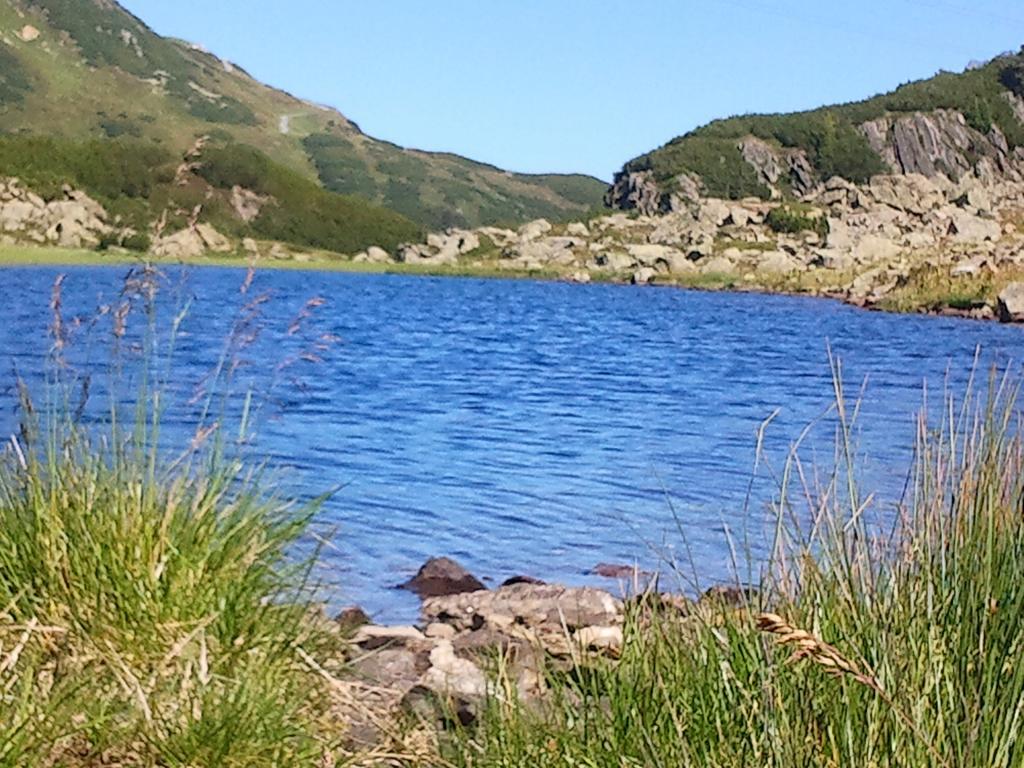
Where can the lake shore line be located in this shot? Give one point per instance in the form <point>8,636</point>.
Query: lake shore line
<point>42,256</point>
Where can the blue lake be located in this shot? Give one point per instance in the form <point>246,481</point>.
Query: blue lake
<point>521,427</point>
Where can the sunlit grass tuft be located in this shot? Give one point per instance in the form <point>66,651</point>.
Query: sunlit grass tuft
<point>152,611</point>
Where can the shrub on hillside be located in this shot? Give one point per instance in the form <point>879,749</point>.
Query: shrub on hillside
<point>792,218</point>
<point>718,162</point>
<point>14,80</point>
<point>303,212</point>
<point>1012,77</point>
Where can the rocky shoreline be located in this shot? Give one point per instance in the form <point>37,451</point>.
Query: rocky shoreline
<point>444,666</point>
<point>901,243</point>
<point>904,243</point>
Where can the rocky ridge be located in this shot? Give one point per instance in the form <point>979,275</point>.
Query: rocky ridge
<point>940,145</point>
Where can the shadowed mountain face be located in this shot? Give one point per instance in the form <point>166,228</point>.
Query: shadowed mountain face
<point>950,125</point>
<point>87,70</point>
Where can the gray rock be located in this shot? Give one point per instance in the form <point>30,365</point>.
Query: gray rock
<point>874,248</point>
<point>973,266</point>
<point>530,605</point>
<point>834,258</point>
<point>601,639</point>
<point>764,158</point>
<point>777,262</point>
<point>715,212</point>
<point>246,204</point>
<point>184,244</point>
<point>717,265</point>
<point>1011,303</point>
<point>968,228</point>
<point>16,215</point>
<point>398,669</point>
<point>371,636</point>
<point>648,255</point>
<point>534,229</point>
<point>615,261</point>
<point>377,255</point>
<point>450,675</point>
<point>639,191</point>
<point>212,239</point>
<point>643,276</point>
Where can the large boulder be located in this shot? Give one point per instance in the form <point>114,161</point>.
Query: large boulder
<point>212,239</point>
<point>17,214</point>
<point>1011,303</point>
<point>965,227</point>
<point>450,675</point>
<point>643,276</point>
<point>717,265</point>
<point>534,229</point>
<point>777,262</point>
<point>648,255</point>
<point>875,248</point>
<point>184,244</point>
<point>442,577</point>
<point>913,193</point>
<point>615,261</point>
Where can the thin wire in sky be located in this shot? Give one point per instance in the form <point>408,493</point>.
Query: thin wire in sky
<point>963,10</point>
<point>850,26</point>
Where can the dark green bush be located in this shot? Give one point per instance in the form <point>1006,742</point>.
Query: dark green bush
<point>105,169</point>
<point>223,110</point>
<point>140,242</point>
<point>116,128</point>
<point>1012,77</point>
<point>793,218</point>
<point>14,79</point>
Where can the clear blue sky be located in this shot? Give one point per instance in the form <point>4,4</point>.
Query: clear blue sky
<point>582,85</point>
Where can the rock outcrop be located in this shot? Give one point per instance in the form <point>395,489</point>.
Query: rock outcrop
<point>191,242</point>
<point>73,220</point>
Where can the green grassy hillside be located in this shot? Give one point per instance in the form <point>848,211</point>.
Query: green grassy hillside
<point>95,73</point>
<point>830,136</point>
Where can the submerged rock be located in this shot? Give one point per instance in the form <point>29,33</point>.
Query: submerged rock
<point>441,577</point>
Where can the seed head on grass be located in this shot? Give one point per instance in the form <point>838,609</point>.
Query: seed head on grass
<point>808,646</point>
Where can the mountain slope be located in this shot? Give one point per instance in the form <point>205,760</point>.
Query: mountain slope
<point>947,125</point>
<point>87,69</point>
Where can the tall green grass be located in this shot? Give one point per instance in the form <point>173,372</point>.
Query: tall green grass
<point>927,622</point>
<point>151,611</point>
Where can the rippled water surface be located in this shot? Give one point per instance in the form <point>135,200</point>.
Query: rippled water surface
<point>525,427</point>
